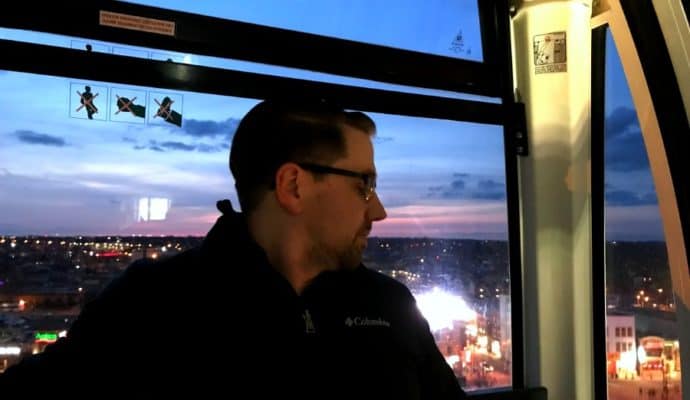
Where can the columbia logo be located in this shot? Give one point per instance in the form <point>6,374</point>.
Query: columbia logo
<point>366,321</point>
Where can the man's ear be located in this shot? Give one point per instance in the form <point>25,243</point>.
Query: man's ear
<point>288,192</point>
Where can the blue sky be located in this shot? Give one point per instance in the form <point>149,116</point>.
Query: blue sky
<point>632,210</point>
<point>61,173</point>
<point>429,27</point>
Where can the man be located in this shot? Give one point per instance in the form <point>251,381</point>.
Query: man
<point>275,303</point>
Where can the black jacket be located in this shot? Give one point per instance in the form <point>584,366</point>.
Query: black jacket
<point>219,320</point>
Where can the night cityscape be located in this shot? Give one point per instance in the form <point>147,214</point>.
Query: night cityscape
<point>462,287</point>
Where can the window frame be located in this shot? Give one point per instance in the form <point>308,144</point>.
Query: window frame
<point>207,35</point>
<point>202,35</point>
<point>665,127</point>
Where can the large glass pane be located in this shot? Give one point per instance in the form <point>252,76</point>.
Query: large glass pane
<point>447,28</point>
<point>217,62</point>
<point>643,359</point>
<point>445,237</point>
<point>94,175</point>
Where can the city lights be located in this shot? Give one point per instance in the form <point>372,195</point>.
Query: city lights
<point>441,308</point>
<point>10,350</point>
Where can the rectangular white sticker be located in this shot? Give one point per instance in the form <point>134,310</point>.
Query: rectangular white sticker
<point>550,53</point>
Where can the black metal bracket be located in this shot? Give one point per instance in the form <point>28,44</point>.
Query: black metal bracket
<point>517,126</point>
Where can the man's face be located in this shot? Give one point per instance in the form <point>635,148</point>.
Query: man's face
<point>340,219</point>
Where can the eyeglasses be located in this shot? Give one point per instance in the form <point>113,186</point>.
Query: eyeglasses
<point>369,180</point>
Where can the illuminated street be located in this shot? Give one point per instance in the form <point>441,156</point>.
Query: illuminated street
<point>643,389</point>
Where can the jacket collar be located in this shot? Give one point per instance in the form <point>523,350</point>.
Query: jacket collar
<point>229,245</point>
<point>230,237</point>
<point>229,229</point>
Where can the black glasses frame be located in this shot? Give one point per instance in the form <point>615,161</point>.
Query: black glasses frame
<point>369,180</point>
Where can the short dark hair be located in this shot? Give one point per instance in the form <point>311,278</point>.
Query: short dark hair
<point>278,131</point>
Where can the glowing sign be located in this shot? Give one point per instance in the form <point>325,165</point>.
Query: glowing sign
<point>10,350</point>
<point>48,337</point>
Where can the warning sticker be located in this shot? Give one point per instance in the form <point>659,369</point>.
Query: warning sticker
<point>550,53</point>
<point>85,102</point>
<point>133,22</point>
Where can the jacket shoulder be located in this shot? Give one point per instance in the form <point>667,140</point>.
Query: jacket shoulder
<point>145,271</point>
<point>384,284</point>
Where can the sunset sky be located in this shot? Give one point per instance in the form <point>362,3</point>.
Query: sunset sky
<point>61,173</point>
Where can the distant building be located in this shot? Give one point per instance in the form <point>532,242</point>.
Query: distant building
<point>621,349</point>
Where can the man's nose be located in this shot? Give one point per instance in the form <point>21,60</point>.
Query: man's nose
<point>376,211</point>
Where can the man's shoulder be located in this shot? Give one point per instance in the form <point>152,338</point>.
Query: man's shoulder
<point>385,284</point>
<point>149,273</point>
